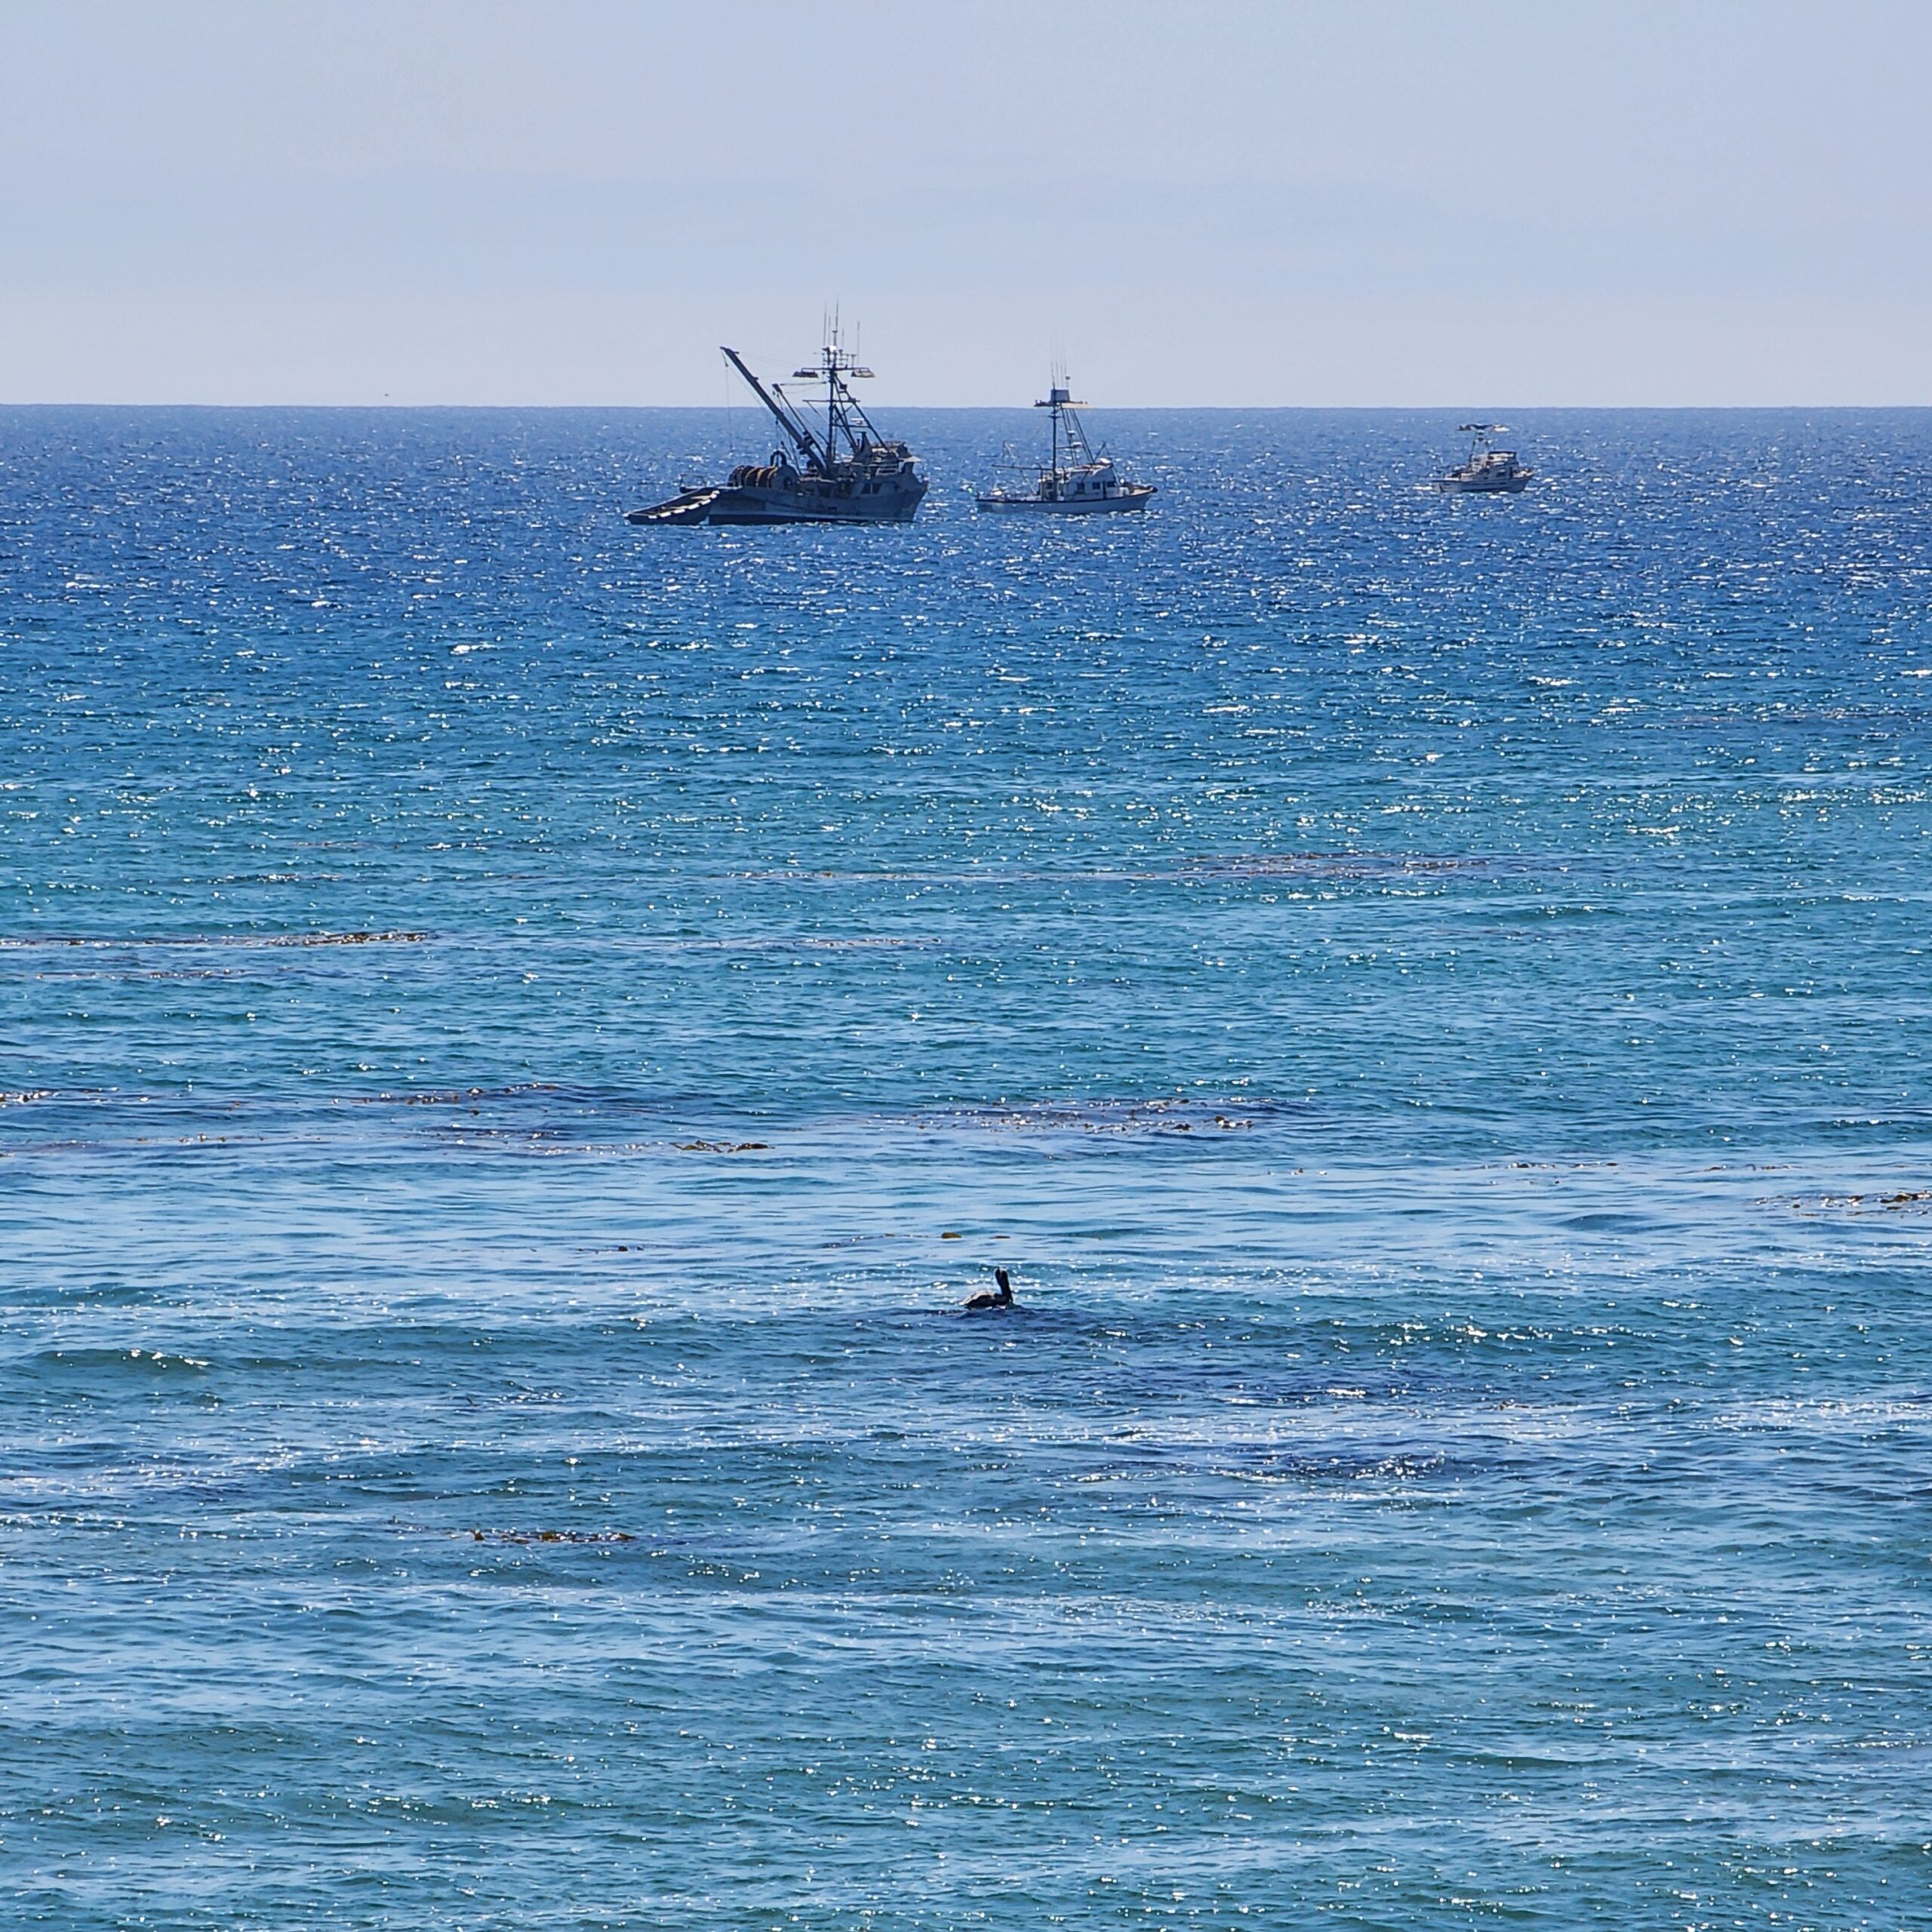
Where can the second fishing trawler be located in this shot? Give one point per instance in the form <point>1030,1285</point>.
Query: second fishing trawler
<point>1077,483</point>
<point>843,471</point>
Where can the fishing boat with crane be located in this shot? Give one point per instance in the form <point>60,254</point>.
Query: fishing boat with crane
<point>1075,482</point>
<point>839,469</point>
<point>1488,470</point>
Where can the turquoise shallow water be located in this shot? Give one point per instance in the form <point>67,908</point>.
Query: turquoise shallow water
<point>516,1030</point>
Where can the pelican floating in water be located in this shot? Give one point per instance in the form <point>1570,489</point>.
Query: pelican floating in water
<point>988,1298</point>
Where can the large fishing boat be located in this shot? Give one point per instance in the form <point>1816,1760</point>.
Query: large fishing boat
<point>1080,485</point>
<point>841,471</point>
<point>1487,468</point>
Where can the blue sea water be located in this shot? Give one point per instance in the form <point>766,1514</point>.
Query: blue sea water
<point>517,1031</point>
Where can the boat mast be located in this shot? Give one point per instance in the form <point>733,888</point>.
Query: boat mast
<point>1059,397</point>
<point>841,406</point>
<point>1480,434</point>
<point>828,355</point>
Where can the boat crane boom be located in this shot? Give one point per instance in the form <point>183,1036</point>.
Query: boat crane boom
<point>806,443</point>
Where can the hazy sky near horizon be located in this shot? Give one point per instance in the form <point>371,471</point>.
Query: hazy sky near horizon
<point>1489,203</point>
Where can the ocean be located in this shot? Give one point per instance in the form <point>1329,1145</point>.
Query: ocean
<point>518,1032</point>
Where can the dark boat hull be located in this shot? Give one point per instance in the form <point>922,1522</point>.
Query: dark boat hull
<point>892,502</point>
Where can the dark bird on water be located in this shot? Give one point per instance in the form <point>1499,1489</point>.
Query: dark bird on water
<point>987,1299</point>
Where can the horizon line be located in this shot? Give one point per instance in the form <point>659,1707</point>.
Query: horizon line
<point>995,408</point>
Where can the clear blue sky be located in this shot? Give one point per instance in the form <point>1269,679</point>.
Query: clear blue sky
<point>1442,202</point>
